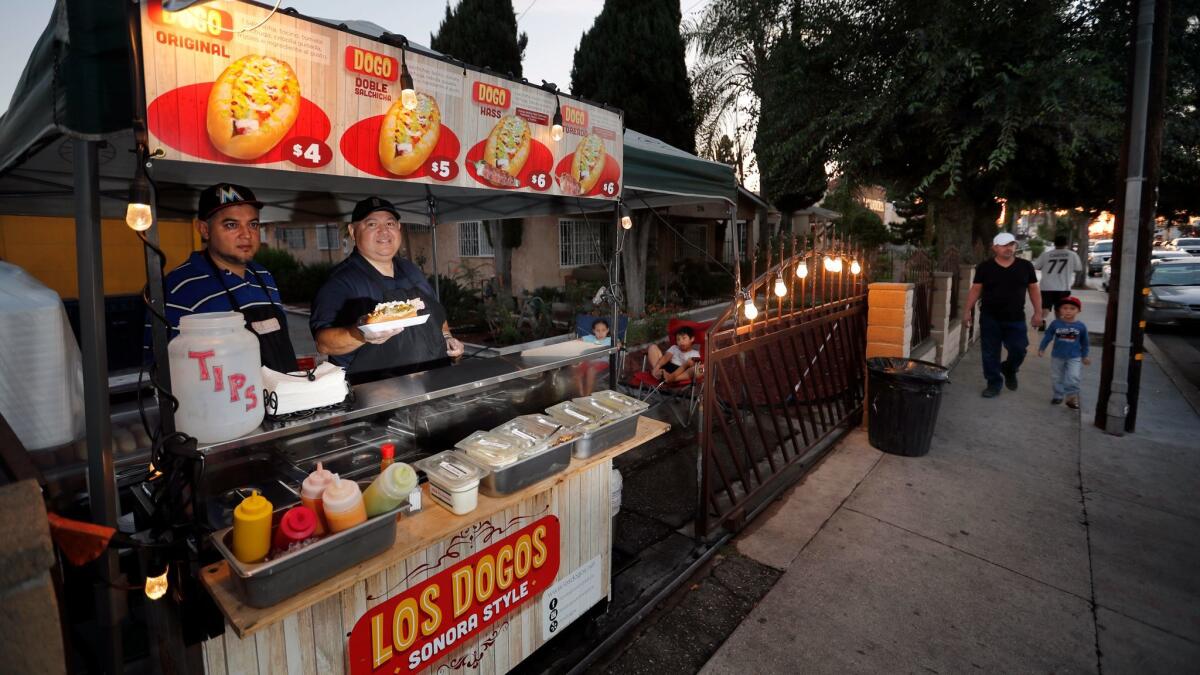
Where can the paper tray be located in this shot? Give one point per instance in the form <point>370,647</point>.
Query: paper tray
<point>376,328</point>
<point>269,583</point>
<point>598,440</point>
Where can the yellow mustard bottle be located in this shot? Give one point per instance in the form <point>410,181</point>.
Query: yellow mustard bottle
<point>252,529</point>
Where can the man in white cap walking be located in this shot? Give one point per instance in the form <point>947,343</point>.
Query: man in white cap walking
<point>1002,284</point>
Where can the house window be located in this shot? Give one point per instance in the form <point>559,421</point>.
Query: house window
<point>473,240</point>
<point>292,237</point>
<point>417,227</point>
<point>692,241</point>
<point>741,231</point>
<point>580,242</point>
<point>329,238</point>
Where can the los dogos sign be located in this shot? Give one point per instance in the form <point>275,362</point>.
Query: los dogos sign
<point>411,631</point>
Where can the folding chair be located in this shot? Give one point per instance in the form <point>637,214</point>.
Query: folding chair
<point>583,327</point>
<point>654,391</point>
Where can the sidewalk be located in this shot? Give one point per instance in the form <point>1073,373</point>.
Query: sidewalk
<point>1024,542</point>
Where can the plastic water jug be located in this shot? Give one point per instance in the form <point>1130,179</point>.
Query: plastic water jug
<point>215,374</point>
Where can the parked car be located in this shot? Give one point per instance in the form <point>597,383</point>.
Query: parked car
<point>1189,244</point>
<point>1156,257</point>
<point>1174,292</point>
<point>1099,255</point>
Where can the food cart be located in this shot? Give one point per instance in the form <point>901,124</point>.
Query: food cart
<point>377,612</point>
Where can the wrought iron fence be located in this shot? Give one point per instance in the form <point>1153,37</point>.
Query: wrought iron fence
<point>783,380</point>
<point>918,271</point>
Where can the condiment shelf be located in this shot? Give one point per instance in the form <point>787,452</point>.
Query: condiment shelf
<point>412,535</point>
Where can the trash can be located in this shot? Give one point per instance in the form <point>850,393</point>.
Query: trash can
<point>904,396</point>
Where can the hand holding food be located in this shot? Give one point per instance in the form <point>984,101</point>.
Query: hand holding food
<point>408,137</point>
<point>253,104</point>
<point>506,151</point>
<point>586,167</point>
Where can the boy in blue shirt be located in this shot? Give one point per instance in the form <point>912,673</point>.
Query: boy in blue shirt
<point>1070,349</point>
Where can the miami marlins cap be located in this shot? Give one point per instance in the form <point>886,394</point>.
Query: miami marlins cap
<point>370,205</point>
<point>218,196</point>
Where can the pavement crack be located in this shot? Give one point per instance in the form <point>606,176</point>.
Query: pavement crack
<point>1087,530</point>
<point>968,553</point>
<point>840,506</point>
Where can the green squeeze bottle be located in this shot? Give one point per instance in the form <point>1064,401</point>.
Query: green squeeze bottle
<point>390,489</point>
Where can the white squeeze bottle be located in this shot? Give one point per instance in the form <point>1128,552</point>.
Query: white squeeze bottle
<point>311,491</point>
<point>216,375</point>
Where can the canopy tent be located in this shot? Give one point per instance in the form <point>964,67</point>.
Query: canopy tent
<point>77,86</point>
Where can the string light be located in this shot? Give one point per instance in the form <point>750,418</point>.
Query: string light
<point>626,220</point>
<point>156,587</point>
<point>408,92</point>
<point>556,129</point>
<point>137,215</point>
<point>802,269</point>
<point>780,287</point>
<point>750,310</point>
<point>837,264</point>
<point>827,262</point>
<point>855,268</point>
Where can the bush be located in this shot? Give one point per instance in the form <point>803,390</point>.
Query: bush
<point>648,329</point>
<point>461,303</point>
<point>298,283</point>
<point>1036,246</point>
<point>697,280</point>
<point>278,262</point>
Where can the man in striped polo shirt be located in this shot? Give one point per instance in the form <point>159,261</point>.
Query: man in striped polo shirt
<point>224,277</point>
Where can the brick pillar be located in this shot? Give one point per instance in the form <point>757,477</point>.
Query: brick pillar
<point>30,636</point>
<point>966,275</point>
<point>889,319</point>
<point>945,332</point>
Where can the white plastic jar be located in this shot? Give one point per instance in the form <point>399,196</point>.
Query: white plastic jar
<point>216,375</point>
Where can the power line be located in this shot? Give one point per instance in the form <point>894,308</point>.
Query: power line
<point>522,15</point>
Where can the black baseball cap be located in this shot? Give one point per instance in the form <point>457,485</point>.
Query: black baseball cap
<point>370,205</point>
<point>217,197</point>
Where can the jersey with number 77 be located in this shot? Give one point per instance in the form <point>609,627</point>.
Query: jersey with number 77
<point>1058,267</point>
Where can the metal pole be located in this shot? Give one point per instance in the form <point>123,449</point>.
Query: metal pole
<point>615,328</point>
<point>102,487</point>
<point>1118,401</point>
<point>437,278</point>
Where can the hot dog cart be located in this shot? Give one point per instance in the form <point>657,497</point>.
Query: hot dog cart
<point>537,557</point>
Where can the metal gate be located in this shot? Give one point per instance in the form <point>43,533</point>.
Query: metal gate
<point>781,383</point>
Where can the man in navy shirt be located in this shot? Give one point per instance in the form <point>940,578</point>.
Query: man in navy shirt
<point>1002,283</point>
<point>224,277</point>
<point>374,273</point>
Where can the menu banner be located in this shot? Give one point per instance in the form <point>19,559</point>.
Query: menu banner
<point>231,82</point>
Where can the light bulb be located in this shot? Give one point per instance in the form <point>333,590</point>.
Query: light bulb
<point>409,98</point>
<point>827,262</point>
<point>802,269</point>
<point>750,310</point>
<point>780,287</point>
<point>855,268</point>
<point>837,264</point>
<point>556,128</point>
<point>556,132</point>
<point>138,217</point>
<point>627,222</point>
<point>156,587</point>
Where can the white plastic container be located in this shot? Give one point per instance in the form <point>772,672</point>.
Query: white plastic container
<point>41,377</point>
<point>453,481</point>
<point>216,375</point>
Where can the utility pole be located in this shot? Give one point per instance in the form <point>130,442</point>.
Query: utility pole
<point>1120,375</point>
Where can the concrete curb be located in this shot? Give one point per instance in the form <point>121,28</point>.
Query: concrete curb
<point>1186,390</point>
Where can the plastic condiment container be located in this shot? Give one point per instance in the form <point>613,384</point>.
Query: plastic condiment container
<point>533,428</point>
<point>590,405</point>
<point>252,529</point>
<point>574,417</point>
<point>495,450</point>
<point>390,489</point>
<point>310,494</point>
<point>343,505</point>
<point>297,525</point>
<point>619,403</point>
<point>453,481</point>
<point>216,373</point>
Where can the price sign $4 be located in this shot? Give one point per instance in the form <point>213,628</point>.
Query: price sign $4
<point>309,152</point>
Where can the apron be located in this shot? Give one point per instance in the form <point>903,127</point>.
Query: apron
<point>265,322</point>
<point>416,349</point>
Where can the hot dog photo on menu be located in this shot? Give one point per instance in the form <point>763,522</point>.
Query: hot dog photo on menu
<point>253,104</point>
<point>506,152</point>
<point>408,137</point>
<point>586,167</point>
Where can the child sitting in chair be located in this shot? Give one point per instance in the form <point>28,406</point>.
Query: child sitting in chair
<point>585,375</point>
<point>680,362</point>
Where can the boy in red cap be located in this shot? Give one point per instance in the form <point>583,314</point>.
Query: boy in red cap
<point>1070,350</point>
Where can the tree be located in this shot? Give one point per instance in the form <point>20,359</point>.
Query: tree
<point>633,58</point>
<point>858,222</point>
<point>484,33</point>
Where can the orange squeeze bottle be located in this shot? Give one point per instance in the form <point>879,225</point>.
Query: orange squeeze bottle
<point>343,504</point>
